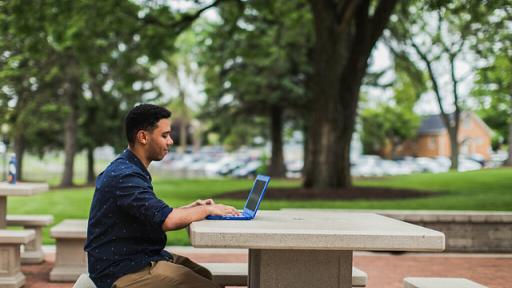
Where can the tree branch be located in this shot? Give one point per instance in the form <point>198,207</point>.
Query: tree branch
<point>455,92</point>
<point>380,19</point>
<point>345,12</point>
<point>179,25</point>
<point>435,86</point>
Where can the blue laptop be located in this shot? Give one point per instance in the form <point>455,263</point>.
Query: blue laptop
<point>253,201</point>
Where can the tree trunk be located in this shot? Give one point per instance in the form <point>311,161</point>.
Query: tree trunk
<point>305,131</point>
<point>91,175</point>
<point>326,142</point>
<point>71,89</point>
<point>183,135</point>
<point>277,168</point>
<point>69,148</point>
<point>19,150</point>
<point>345,35</point>
<point>394,148</point>
<point>454,145</point>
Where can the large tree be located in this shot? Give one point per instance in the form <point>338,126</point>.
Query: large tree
<point>257,59</point>
<point>27,85</point>
<point>82,61</point>
<point>436,35</point>
<point>345,34</point>
<point>492,41</point>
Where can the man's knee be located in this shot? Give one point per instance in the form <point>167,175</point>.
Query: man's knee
<point>180,275</point>
<point>185,261</point>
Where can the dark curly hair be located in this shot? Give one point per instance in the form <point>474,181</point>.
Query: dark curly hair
<point>143,117</point>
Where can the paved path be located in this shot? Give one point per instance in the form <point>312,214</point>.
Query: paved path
<point>384,270</point>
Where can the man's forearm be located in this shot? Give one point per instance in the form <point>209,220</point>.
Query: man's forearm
<point>182,217</point>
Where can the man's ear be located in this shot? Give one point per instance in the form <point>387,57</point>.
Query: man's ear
<point>142,137</point>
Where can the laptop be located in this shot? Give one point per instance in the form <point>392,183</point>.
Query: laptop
<point>253,201</point>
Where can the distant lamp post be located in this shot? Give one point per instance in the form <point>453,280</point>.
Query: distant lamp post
<point>5,143</point>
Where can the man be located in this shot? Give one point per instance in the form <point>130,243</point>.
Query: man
<point>127,222</point>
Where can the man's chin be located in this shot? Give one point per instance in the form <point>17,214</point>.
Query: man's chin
<point>163,156</point>
<point>159,157</point>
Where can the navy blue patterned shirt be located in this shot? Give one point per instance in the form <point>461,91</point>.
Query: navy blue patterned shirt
<point>125,222</point>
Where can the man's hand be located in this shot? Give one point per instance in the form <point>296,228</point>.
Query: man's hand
<point>220,209</point>
<point>200,202</point>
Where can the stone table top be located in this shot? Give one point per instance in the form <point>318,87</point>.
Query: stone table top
<point>22,189</point>
<point>315,230</point>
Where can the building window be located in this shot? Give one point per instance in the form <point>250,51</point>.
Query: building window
<point>432,143</point>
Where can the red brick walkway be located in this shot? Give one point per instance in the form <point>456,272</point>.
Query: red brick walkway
<point>384,270</point>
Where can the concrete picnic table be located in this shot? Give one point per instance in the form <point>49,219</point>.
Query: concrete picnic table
<point>311,248</point>
<point>18,189</point>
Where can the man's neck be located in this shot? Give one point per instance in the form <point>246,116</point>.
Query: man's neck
<point>140,154</point>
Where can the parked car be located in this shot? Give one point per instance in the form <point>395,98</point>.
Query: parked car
<point>468,165</point>
<point>247,170</point>
<point>367,166</point>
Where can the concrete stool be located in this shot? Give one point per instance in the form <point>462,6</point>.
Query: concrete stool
<point>10,263</point>
<point>433,282</point>
<point>33,253</point>
<point>70,257</point>
<point>228,274</point>
<point>84,282</point>
<point>235,274</point>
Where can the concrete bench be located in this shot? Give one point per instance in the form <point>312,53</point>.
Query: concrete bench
<point>231,274</point>
<point>433,282</point>
<point>10,260</point>
<point>70,257</point>
<point>33,253</point>
<point>235,274</point>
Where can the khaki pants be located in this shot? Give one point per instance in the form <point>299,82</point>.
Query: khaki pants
<point>180,273</point>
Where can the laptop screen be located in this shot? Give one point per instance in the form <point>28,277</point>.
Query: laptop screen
<point>255,195</point>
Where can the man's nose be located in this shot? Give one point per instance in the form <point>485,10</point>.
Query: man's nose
<point>170,142</point>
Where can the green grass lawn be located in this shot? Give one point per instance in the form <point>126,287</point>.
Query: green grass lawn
<point>478,190</point>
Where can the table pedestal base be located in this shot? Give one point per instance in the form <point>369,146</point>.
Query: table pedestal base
<point>33,252</point>
<point>15,281</point>
<point>10,272</point>
<point>3,212</point>
<point>32,257</point>
<point>70,260</point>
<point>300,268</point>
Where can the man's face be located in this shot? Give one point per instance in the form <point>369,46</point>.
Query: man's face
<point>159,141</point>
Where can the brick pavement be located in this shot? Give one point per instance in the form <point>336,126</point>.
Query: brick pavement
<point>384,270</point>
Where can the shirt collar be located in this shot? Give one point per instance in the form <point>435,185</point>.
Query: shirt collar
<point>133,159</point>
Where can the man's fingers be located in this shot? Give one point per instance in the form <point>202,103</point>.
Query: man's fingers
<point>220,209</point>
<point>233,210</point>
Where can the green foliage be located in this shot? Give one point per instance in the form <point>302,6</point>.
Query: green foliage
<point>263,169</point>
<point>387,125</point>
<point>493,89</point>
<point>256,58</point>
<point>493,85</point>
<point>391,124</point>
<point>80,61</point>
<point>242,132</point>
